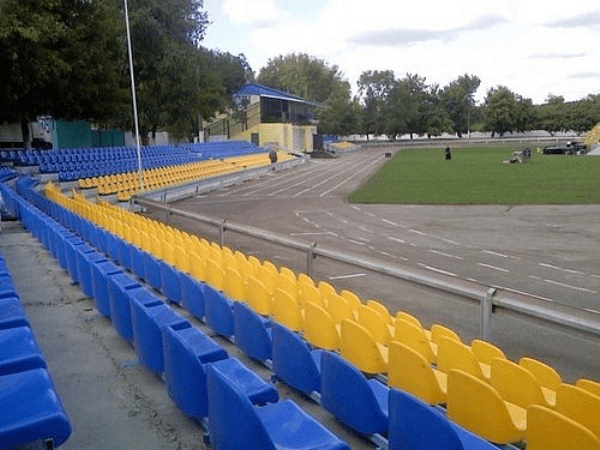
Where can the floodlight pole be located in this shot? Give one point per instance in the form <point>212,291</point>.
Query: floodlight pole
<point>133,95</point>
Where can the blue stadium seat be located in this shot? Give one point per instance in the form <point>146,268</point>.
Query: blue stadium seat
<point>252,332</point>
<point>19,351</point>
<point>170,282</point>
<point>218,312</point>
<point>235,424</point>
<point>121,288</point>
<point>152,271</point>
<point>101,273</point>
<point>147,321</point>
<point>30,410</point>
<point>11,313</point>
<point>415,425</point>
<point>294,362</point>
<point>85,263</point>
<point>192,295</point>
<point>346,393</point>
<point>186,350</point>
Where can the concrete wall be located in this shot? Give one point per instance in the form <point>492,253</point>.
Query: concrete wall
<point>292,137</point>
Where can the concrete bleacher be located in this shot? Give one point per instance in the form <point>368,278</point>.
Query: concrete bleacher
<point>213,282</point>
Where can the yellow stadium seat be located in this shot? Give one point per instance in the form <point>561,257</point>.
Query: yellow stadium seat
<point>456,355</point>
<point>410,371</point>
<point>412,319</point>
<point>310,294</point>
<point>515,384</point>
<point>372,321</point>
<point>214,274</point>
<point>286,310</point>
<point>352,299</point>
<point>326,290</point>
<point>546,375</point>
<point>580,405</point>
<point>485,352</point>
<point>477,406</point>
<point>414,337</point>
<point>439,331</point>
<point>319,329</point>
<point>258,297</point>
<point>550,430</point>
<point>197,265</point>
<point>381,309</point>
<point>360,347</point>
<point>235,286</point>
<point>589,385</point>
<point>338,308</point>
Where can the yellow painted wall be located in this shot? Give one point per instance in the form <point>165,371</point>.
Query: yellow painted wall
<point>282,135</point>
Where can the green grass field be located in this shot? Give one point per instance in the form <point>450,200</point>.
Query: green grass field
<point>478,176</point>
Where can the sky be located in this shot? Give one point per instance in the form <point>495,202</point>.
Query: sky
<point>533,47</point>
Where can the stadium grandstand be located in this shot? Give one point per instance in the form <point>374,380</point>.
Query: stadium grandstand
<point>393,382</point>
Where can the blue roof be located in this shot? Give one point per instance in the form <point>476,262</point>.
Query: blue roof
<point>265,91</point>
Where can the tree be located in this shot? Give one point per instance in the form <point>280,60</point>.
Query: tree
<point>506,111</point>
<point>374,88</point>
<point>302,75</point>
<point>341,115</point>
<point>458,98</point>
<point>56,58</point>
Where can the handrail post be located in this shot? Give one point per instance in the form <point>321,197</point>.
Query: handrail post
<point>486,314</point>
<point>310,256</point>
<point>222,232</point>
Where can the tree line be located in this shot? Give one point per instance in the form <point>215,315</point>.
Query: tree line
<point>68,59</point>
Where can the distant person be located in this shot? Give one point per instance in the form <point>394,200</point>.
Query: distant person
<point>447,154</point>
<point>273,156</point>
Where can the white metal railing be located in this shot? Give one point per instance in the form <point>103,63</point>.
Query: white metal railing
<point>489,298</point>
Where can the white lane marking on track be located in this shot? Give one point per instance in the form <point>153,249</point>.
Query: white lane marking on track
<point>450,241</point>
<point>447,255</point>
<point>501,255</point>
<point>314,233</point>
<point>489,266</point>
<point>580,289</point>
<point>356,242</point>
<point>412,230</point>
<point>550,266</point>
<point>356,208</point>
<point>444,272</point>
<point>343,277</point>
<point>402,241</point>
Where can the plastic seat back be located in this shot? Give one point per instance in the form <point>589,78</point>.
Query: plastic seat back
<point>235,286</point>
<point>294,362</point>
<point>381,309</point>
<point>439,331</point>
<point>456,355</point>
<point>415,425</point>
<point>550,430</point>
<point>410,371</point>
<point>346,393</point>
<point>589,385</point>
<point>326,289</point>
<point>515,384</point>
<point>310,294</point>
<point>252,332</point>
<point>258,297</point>
<point>352,299</point>
<point>485,351</point>
<point>580,405</point>
<point>218,312</point>
<point>475,405</point>
<point>287,311</point>
<point>414,337</point>
<point>319,329</point>
<point>372,321</point>
<point>214,274</point>
<point>359,347</point>
<point>546,375</point>
<point>233,422</point>
<point>338,308</point>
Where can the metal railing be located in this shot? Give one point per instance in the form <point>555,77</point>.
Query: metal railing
<point>489,298</point>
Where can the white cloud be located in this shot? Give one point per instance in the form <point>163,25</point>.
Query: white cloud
<point>257,12</point>
<point>531,46</point>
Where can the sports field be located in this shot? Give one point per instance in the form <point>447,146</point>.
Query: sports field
<point>479,176</point>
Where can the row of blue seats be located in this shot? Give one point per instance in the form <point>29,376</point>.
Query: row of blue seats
<point>31,412</point>
<point>368,411</point>
<point>165,342</point>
